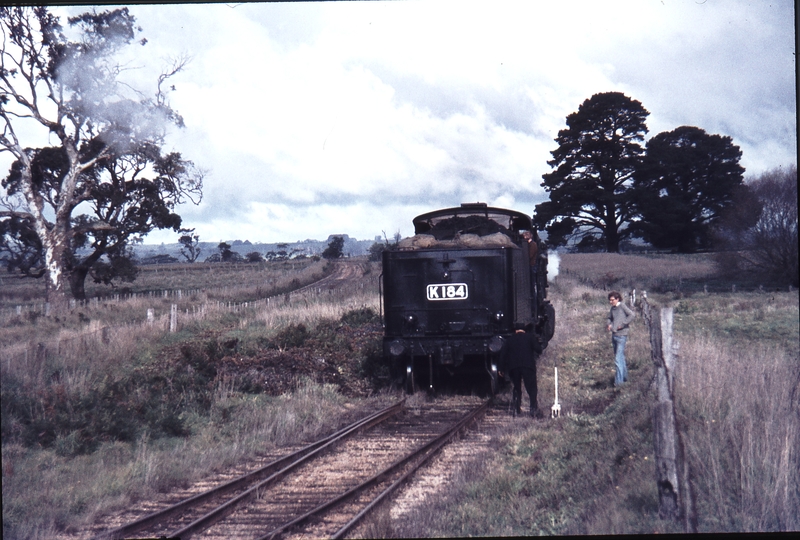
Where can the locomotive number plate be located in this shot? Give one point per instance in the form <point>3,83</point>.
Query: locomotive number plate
<point>448,291</point>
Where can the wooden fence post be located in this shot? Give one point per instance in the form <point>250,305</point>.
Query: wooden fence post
<point>675,498</point>
<point>173,318</point>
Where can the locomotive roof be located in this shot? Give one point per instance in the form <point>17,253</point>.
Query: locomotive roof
<point>510,219</point>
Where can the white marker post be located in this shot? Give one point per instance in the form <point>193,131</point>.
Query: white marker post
<point>555,410</point>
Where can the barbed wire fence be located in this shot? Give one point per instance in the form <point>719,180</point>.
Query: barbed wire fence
<point>184,307</point>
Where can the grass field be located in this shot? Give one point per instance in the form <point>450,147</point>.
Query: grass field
<point>99,406</point>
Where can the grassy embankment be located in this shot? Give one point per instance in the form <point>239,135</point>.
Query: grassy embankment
<point>591,471</point>
<point>101,408</point>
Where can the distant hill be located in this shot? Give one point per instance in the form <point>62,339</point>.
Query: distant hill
<point>309,248</point>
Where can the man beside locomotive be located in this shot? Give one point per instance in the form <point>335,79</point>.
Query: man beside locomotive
<point>519,361</point>
<point>619,317</point>
<point>533,247</point>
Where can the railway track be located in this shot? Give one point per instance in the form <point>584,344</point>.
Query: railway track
<point>343,272</point>
<point>321,490</point>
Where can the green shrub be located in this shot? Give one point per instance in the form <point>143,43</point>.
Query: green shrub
<point>359,316</point>
<point>110,407</point>
<point>374,366</point>
<point>294,335</point>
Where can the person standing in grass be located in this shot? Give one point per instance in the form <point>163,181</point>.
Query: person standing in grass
<point>519,361</point>
<point>619,318</point>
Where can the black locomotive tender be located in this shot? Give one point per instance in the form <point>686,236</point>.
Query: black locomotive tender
<point>452,293</point>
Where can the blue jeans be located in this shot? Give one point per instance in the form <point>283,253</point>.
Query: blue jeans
<point>619,359</point>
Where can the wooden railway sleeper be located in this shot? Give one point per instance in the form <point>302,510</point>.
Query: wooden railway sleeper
<point>294,459</point>
<point>428,450</point>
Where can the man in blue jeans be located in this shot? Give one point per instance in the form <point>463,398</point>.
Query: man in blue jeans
<point>619,318</point>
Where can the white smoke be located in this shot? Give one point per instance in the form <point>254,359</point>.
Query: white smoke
<point>553,260</point>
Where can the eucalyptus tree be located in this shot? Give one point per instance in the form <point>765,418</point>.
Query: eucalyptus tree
<point>94,177</point>
<point>335,248</point>
<point>190,245</point>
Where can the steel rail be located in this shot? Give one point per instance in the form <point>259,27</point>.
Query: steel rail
<point>293,459</point>
<point>229,507</point>
<point>428,450</point>
<point>397,483</point>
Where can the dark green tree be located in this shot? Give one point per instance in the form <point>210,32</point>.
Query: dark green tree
<point>376,251</point>
<point>593,168</point>
<point>687,180</point>
<point>103,181</point>
<point>226,254</point>
<point>190,245</point>
<point>283,251</point>
<point>20,247</point>
<point>334,249</point>
<point>118,266</point>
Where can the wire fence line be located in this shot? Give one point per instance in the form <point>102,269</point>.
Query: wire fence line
<point>270,287</point>
<point>43,308</point>
<point>194,306</point>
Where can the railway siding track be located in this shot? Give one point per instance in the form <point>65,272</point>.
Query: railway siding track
<point>321,490</point>
<point>343,271</point>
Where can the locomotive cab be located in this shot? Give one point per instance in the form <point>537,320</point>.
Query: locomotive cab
<point>454,291</point>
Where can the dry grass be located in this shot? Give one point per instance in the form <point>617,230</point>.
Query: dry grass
<point>657,273</point>
<point>166,284</point>
<point>203,288</point>
<point>101,333</point>
<point>740,406</point>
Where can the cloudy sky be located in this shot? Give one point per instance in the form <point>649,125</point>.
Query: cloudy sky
<point>353,117</point>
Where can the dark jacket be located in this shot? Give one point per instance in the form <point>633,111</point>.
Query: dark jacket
<point>521,351</point>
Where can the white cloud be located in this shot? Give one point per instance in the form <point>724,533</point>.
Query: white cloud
<point>353,117</point>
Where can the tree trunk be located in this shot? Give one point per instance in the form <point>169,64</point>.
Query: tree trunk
<point>54,237</point>
<point>78,274</point>
<point>611,231</point>
<point>77,282</point>
<point>612,238</point>
<point>58,286</point>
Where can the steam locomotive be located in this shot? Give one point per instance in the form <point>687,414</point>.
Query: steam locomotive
<point>452,293</point>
